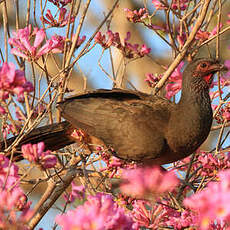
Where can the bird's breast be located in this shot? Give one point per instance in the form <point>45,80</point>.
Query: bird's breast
<point>187,130</point>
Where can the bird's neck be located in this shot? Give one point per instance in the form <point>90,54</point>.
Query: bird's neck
<point>192,118</point>
<point>195,106</point>
<point>195,95</point>
<point>195,102</point>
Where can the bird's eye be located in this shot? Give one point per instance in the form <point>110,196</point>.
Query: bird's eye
<point>203,65</point>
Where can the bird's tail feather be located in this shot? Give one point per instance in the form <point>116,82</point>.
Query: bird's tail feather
<point>55,136</point>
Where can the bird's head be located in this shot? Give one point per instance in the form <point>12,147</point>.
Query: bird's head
<point>201,71</point>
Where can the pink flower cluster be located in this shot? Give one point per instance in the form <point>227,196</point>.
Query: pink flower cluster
<point>227,74</point>
<point>226,112</point>
<point>7,129</point>
<point>204,35</point>
<point>13,81</point>
<point>223,115</point>
<point>152,79</point>
<point>35,153</point>
<point>179,220</point>
<point>147,181</point>
<point>176,5</point>
<point>145,215</point>
<point>201,35</point>
<point>99,212</point>
<point>158,5</point>
<point>136,15</point>
<point>114,165</point>
<point>77,192</point>
<point>161,215</point>
<point>62,19</point>
<point>23,48</point>
<point>140,16</point>
<point>211,163</point>
<point>180,4</point>
<point>174,81</point>
<point>212,203</point>
<point>12,197</point>
<point>79,41</point>
<point>128,50</point>
<point>60,2</point>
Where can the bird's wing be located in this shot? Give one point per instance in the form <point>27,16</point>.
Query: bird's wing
<point>131,122</point>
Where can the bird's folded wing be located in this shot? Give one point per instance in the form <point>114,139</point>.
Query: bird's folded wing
<point>132,123</point>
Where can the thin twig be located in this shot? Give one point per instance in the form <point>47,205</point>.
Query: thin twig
<point>186,47</point>
<point>53,192</point>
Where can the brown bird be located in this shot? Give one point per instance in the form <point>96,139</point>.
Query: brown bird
<point>138,126</point>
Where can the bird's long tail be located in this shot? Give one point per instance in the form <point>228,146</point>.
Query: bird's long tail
<point>55,136</point>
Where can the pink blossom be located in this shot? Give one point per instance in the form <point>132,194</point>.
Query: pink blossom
<point>175,81</point>
<point>60,2</point>
<point>144,216</point>
<point>228,21</point>
<point>77,192</point>
<point>129,50</point>
<point>227,75</point>
<point>58,43</point>
<point>24,48</point>
<point>179,4</point>
<point>98,212</point>
<point>35,153</point>
<point>144,50</point>
<point>7,129</point>
<point>136,15</point>
<point>106,43</point>
<point>223,114</point>
<point>180,220</point>
<point>204,35</point>
<point>140,16</point>
<point>211,163</point>
<point>144,181</point>
<point>158,5</point>
<point>2,110</point>
<point>79,41</point>
<point>212,203</point>
<point>151,79</point>
<point>176,5</point>
<point>161,215</point>
<point>133,50</point>
<point>48,160</point>
<point>226,112</point>
<point>114,164</point>
<point>13,212</point>
<point>62,19</point>
<point>173,88</point>
<point>6,168</point>
<point>206,164</point>
<point>38,110</point>
<point>13,81</point>
<point>11,196</point>
<point>181,38</point>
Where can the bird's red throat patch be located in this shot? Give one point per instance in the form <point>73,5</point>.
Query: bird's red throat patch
<point>208,77</point>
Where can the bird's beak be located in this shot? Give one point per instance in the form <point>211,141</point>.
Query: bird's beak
<point>217,67</point>
<point>212,69</point>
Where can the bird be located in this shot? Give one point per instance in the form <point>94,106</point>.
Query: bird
<point>136,126</point>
